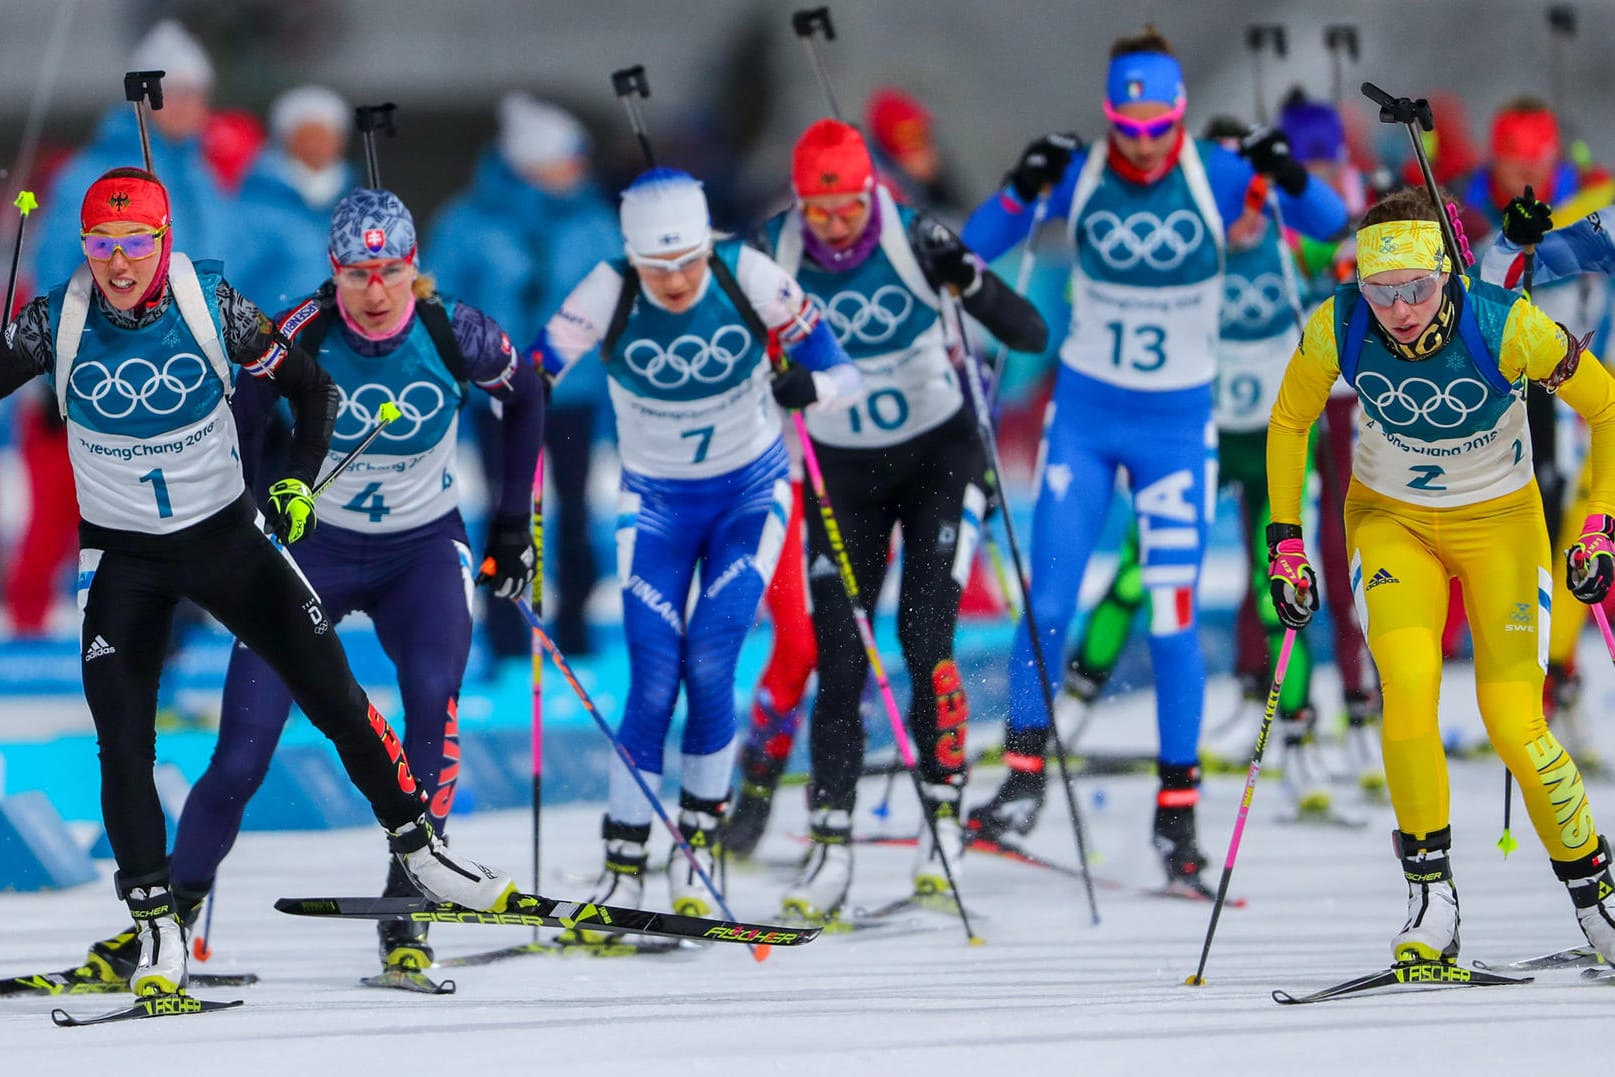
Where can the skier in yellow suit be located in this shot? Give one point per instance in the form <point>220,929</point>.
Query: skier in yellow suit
<point>1442,487</point>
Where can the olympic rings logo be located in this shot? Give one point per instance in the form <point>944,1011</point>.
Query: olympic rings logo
<point>867,319</point>
<point>1420,398</point>
<point>1253,301</point>
<point>689,356</point>
<point>1144,237</point>
<point>139,383</point>
<point>418,402</point>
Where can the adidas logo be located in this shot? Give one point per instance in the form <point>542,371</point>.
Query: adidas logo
<point>1382,576</point>
<point>98,647</point>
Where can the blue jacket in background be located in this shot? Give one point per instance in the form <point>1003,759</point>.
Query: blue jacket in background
<point>203,221</point>
<point>516,252</point>
<point>283,239</point>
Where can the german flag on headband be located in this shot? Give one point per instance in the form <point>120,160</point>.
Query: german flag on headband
<point>1400,245</point>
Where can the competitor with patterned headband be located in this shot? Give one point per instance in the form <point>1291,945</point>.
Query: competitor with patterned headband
<point>1442,488</point>
<point>1147,214</point>
<point>140,347</point>
<point>907,455</point>
<point>683,324</point>
<point>393,545</point>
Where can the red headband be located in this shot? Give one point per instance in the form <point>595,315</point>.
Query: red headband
<point>831,158</point>
<point>1525,136</point>
<point>125,194</point>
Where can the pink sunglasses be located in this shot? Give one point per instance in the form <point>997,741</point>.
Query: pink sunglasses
<point>1152,128</point>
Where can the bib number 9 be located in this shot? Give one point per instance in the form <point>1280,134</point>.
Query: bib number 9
<point>1239,395</point>
<point>1139,347</point>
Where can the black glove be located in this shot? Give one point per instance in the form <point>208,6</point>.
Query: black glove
<point>943,257</point>
<point>1525,220</point>
<point>793,387</point>
<point>1043,163</point>
<point>1268,151</point>
<point>508,559</point>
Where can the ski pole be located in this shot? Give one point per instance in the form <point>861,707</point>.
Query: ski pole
<point>140,87</point>
<point>807,23</point>
<point>849,584</point>
<point>989,444</point>
<point>1507,842</point>
<point>370,119</point>
<point>26,203</point>
<point>759,950</point>
<point>538,666</point>
<point>1257,37</point>
<point>199,947</point>
<point>631,86</point>
<point>1283,664</point>
<point>1340,40</point>
<point>385,414</point>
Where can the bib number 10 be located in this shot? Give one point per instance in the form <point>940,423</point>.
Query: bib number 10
<point>887,409</point>
<point>1139,347</point>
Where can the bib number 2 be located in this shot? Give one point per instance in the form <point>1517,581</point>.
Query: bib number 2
<point>1428,474</point>
<point>1140,347</point>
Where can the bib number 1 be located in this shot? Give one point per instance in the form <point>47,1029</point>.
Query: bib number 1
<point>159,489</point>
<point>1140,347</point>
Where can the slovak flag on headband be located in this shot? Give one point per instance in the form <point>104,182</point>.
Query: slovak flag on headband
<point>374,240</point>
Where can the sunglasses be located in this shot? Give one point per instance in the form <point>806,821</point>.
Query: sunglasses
<point>361,276</point>
<point>669,266</point>
<point>1412,292</point>
<point>135,246</point>
<point>1128,127</point>
<point>846,212</point>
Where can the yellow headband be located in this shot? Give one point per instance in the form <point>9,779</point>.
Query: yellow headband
<point>1399,245</point>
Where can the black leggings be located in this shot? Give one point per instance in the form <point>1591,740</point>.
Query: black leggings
<point>923,485</point>
<point>226,566</point>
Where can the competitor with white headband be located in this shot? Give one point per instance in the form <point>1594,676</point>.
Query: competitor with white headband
<point>683,325</point>
<point>1148,214</point>
<point>907,455</point>
<point>1442,487</point>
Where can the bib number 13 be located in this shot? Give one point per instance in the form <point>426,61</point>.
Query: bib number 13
<point>1139,347</point>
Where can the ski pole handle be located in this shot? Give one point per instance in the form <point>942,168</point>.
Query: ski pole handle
<point>631,86</point>
<point>138,88</point>
<point>807,22</point>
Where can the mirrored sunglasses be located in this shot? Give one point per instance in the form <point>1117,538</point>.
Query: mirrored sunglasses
<point>135,246</point>
<point>361,276</point>
<point>1128,127</point>
<point>846,212</point>
<point>1412,292</point>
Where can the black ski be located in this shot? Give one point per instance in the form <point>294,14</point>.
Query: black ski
<point>529,910</point>
<point>154,1006</point>
<point>612,946</point>
<point>402,979</point>
<point>82,981</point>
<point>1426,975</point>
<point>1577,957</point>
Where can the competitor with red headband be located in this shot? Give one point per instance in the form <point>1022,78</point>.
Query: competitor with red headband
<point>1147,214</point>
<point>906,454</point>
<point>141,348</point>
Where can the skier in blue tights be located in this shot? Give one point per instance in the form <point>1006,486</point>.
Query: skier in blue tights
<point>1146,213</point>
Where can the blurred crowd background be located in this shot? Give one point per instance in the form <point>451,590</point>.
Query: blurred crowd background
<point>511,148</point>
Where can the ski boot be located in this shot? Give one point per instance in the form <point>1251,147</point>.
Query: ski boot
<point>1081,683</point>
<point>698,822</point>
<point>820,889</point>
<point>160,965</point>
<point>1304,775</point>
<point>403,943</point>
<point>1431,931</point>
<point>444,876</point>
<point>1362,745</point>
<point>1017,803</point>
<point>762,761</point>
<point>1591,889</point>
<point>1174,836</point>
<point>941,803</point>
<point>621,882</point>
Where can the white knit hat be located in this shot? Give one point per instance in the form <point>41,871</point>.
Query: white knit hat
<point>170,48</point>
<point>534,133</point>
<point>309,104</point>
<point>663,212</point>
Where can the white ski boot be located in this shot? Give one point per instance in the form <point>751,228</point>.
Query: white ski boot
<point>1431,931</point>
<point>443,876</point>
<point>698,822</point>
<point>1591,887</point>
<point>161,967</point>
<point>820,889</point>
<point>940,801</point>
<point>621,882</point>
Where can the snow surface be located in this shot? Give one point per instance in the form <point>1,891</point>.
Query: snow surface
<point>1048,993</point>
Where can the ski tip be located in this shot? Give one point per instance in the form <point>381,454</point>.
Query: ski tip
<point>760,952</point>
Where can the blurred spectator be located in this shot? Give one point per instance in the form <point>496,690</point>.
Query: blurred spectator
<point>288,197</point>
<point>198,204</point>
<point>230,144</point>
<point>530,226</point>
<point>903,143</point>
